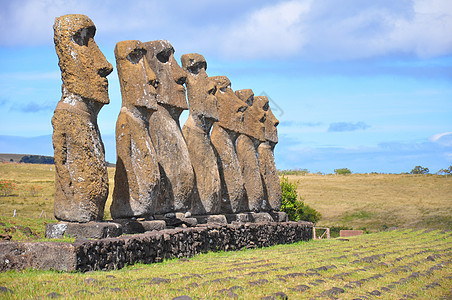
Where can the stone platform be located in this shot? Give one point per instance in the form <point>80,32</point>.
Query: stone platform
<point>150,247</point>
<point>118,227</point>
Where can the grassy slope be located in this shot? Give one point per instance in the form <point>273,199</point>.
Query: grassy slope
<point>395,264</point>
<point>377,201</point>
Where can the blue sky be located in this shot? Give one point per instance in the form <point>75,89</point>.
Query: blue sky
<point>365,85</point>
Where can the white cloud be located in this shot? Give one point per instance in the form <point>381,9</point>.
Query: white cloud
<point>444,138</point>
<point>323,30</point>
<point>273,30</point>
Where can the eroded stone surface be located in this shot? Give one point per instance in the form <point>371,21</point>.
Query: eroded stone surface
<point>177,177</point>
<point>81,180</point>
<point>137,175</point>
<point>92,230</point>
<point>224,135</point>
<point>267,166</point>
<point>247,145</point>
<point>203,112</point>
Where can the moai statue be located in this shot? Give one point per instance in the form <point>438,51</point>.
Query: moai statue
<point>203,113</point>
<point>137,174</point>
<point>81,180</point>
<point>269,173</point>
<point>176,171</point>
<point>224,135</point>
<point>247,145</point>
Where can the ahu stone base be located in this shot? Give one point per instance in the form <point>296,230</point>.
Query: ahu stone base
<point>150,247</point>
<point>118,227</point>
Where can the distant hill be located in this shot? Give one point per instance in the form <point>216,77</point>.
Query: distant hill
<point>7,157</point>
<point>32,159</point>
<point>26,158</point>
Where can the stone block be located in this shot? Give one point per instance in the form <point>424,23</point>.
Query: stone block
<point>219,219</point>
<point>134,226</point>
<point>261,217</point>
<point>279,216</point>
<point>242,218</point>
<point>40,255</point>
<point>90,230</point>
<point>177,222</point>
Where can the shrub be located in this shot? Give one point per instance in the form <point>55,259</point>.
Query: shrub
<point>7,187</point>
<point>447,171</point>
<point>419,170</point>
<point>342,171</point>
<point>295,208</point>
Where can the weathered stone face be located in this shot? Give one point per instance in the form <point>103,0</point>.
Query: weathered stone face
<point>200,90</point>
<point>137,175</point>
<point>81,181</point>
<point>261,102</point>
<point>231,108</point>
<point>171,77</point>
<point>83,67</point>
<point>136,78</point>
<point>271,133</point>
<point>176,171</point>
<point>254,116</point>
<point>203,112</point>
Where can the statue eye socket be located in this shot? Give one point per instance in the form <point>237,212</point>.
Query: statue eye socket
<point>164,56</point>
<point>224,89</point>
<point>212,91</point>
<point>82,36</point>
<point>242,108</point>
<point>196,68</point>
<point>250,100</point>
<point>136,55</point>
<point>266,106</point>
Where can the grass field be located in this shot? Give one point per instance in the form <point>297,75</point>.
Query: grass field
<point>389,265</point>
<point>379,201</point>
<point>374,202</point>
<point>396,264</point>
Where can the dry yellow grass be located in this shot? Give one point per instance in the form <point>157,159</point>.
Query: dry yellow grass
<point>43,176</point>
<point>377,201</point>
<point>374,201</point>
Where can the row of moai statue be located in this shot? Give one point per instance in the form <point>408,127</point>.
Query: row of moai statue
<point>220,162</point>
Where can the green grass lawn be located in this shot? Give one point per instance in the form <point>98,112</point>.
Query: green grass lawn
<point>387,265</point>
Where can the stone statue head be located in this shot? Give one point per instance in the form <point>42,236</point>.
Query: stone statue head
<point>271,133</point>
<point>254,116</point>
<point>261,102</point>
<point>231,108</point>
<point>83,66</point>
<point>200,90</point>
<point>271,122</point>
<point>136,78</point>
<point>170,76</point>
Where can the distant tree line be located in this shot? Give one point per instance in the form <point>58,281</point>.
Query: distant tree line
<point>37,159</point>
<point>417,170</point>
